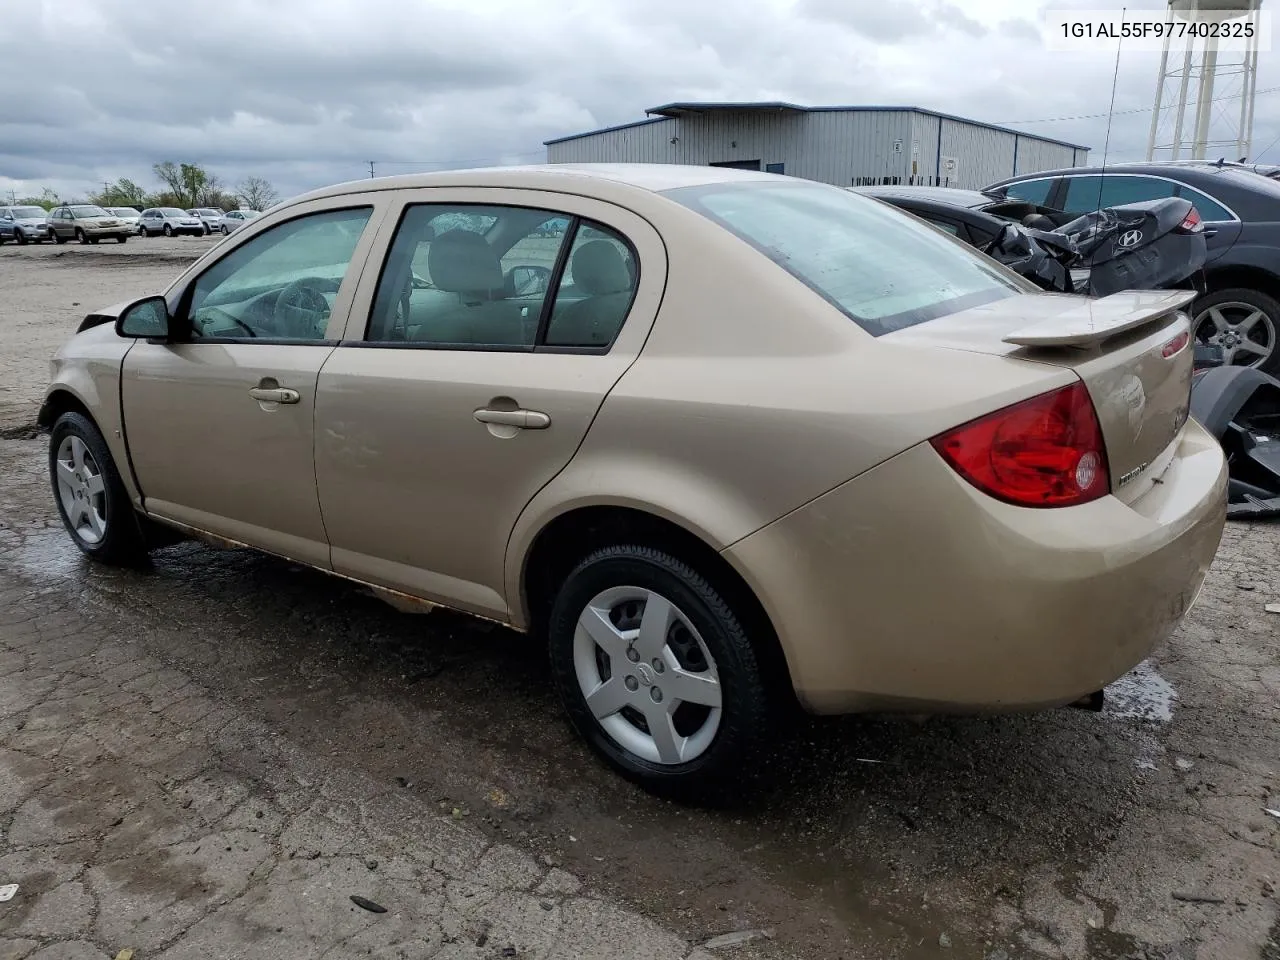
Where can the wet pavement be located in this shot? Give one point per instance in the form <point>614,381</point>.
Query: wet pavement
<point>1140,832</point>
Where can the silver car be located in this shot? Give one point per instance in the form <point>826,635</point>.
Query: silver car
<point>24,224</point>
<point>87,223</point>
<point>170,221</point>
<point>129,215</point>
<point>210,217</point>
<point>234,219</point>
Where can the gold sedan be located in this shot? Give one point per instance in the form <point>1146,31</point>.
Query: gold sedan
<point>724,439</point>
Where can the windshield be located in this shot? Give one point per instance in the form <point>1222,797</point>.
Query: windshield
<point>88,210</point>
<point>124,211</point>
<point>173,212</point>
<point>885,271</point>
<point>209,213</point>
<point>29,213</point>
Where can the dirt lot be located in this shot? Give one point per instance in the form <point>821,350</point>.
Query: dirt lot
<point>202,760</point>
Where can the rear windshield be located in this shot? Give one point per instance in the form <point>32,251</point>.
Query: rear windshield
<point>883,269</point>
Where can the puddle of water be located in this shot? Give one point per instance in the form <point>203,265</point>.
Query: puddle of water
<point>47,556</point>
<point>1145,696</point>
<point>1142,694</point>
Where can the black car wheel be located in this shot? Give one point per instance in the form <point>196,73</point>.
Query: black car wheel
<point>55,236</point>
<point>1244,323</point>
<point>225,231</point>
<point>657,672</point>
<point>92,500</point>
<point>80,235</point>
<point>121,238</point>
<point>20,237</point>
<point>168,230</point>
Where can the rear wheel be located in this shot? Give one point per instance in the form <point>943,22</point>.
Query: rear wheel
<point>56,237</point>
<point>657,672</point>
<point>91,498</point>
<point>1245,323</point>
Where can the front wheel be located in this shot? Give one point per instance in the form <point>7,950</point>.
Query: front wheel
<point>657,673</point>
<point>121,238</point>
<point>91,497</point>
<point>80,235</point>
<point>168,230</point>
<point>20,237</point>
<point>225,231</point>
<point>1244,323</point>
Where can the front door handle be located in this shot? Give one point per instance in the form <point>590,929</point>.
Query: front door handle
<point>523,419</point>
<point>274,395</point>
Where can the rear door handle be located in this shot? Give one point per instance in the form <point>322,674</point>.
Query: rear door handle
<point>524,419</point>
<point>274,395</point>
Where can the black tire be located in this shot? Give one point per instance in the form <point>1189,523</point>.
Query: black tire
<point>94,239</point>
<point>168,230</point>
<point>718,773</point>
<point>121,238</point>
<point>56,237</point>
<point>225,231</point>
<point>1269,306</point>
<point>81,236</point>
<point>123,543</point>
<point>21,237</point>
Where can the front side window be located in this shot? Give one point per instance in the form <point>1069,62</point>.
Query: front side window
<point>280,285</point>
<point>465,274</point>
<point>881,269</point>
<point>1033,191</point>
<point>1087,194</point>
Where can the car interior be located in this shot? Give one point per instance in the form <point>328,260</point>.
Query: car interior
<point>481,276</point>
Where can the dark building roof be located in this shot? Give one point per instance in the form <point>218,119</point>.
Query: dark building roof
<point>671,111</point>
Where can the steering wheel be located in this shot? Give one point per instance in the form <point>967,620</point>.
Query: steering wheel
<point>301,312</point>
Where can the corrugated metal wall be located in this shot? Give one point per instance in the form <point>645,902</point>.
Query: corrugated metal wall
<point>843,147</point>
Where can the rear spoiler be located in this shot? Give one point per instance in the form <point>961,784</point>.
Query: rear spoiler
<point>1092,321</point>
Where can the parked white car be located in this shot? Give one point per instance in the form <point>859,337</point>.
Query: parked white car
<point>170,221</point>
<point>234,219</point>
<point>210,217</point>
<point>129,215</point>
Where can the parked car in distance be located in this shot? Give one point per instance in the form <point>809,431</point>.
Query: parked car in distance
<point>24,224</point>
<point>234,219</point>
<point>129,215</point>
<point>1240,309</point>
<point>87,223</point>
<point>968,214</point>
<point>211,218</point>
<point>169,221</point>
<point>725,439</point>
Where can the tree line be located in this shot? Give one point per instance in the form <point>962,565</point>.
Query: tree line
<point>183,185</point>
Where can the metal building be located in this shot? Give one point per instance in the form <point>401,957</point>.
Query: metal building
<point>849,146</point>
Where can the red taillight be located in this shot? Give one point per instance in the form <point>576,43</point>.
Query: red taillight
<point>1043,452</point>
<point>1192,224</point>
<point>1175,345</point>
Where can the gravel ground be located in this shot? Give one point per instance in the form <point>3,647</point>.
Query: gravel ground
<point>145,717</point>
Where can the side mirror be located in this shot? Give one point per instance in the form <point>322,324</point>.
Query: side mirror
<point>528,281</point>
<point>147,318</point>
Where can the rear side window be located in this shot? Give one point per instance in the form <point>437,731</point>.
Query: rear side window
<point>1208,208</point>
<point>883,270</point>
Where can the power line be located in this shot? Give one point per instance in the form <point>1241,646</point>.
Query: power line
<point>1118,113</point>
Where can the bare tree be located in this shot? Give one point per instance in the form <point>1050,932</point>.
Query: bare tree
<point>170,175</point>
<point>256,193</point>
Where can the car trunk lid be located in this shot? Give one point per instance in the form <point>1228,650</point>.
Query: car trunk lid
<point>1132,351</point>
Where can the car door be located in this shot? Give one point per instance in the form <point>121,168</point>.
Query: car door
<point>474,363</point>
<point>219,422</point>
<point>6,224</point>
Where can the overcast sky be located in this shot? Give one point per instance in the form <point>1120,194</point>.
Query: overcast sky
<point>306,92</point>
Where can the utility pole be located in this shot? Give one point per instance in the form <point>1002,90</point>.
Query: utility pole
<point>370,169</point>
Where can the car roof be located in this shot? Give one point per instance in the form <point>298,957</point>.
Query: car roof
<point>949,195</point>
<point>649,177</point>
<point>1206,167</point>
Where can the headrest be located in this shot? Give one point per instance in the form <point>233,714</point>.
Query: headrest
<point>461,261</point>
<point>598,268</point>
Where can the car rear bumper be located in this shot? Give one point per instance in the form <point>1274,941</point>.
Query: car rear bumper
<point>907,588</point>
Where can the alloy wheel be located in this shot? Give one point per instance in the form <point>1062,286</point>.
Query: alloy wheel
<point>82,490</point>
<point>647,675</point>
<point>1245,333</point>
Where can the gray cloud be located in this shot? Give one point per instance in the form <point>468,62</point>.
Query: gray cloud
<point>305,92</point>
